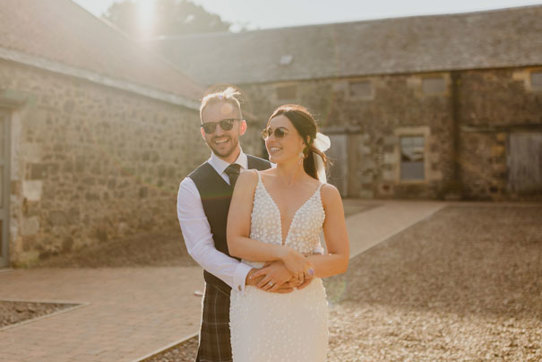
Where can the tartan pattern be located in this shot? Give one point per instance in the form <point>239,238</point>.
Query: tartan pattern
<point>214,337</point>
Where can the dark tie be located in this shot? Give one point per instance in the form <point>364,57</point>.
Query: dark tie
<point>233,172</point>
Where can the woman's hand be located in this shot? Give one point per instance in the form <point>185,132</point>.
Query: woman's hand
<point>272,276</point>
<point>296,263</point>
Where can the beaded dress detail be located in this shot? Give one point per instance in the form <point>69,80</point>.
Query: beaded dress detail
<point>278,327</point>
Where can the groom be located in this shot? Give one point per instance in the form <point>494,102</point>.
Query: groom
<point>202,208</point>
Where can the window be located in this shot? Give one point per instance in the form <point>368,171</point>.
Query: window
<point>361,89</point>
<point>536,81</point>
<point>287,92</point>
<point>412,158</point>
<point>434,86</point>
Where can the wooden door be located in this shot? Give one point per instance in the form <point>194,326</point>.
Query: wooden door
<point>525,162</point>
<point>338,155</point>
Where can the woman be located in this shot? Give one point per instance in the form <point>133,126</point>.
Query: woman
<point>278,214</point>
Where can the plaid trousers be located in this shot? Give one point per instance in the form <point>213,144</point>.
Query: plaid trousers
<point>214,337</point>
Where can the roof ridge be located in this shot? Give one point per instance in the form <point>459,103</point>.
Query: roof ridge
<point>345,23</point>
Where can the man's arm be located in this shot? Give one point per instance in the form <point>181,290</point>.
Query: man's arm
<point>199,239</point>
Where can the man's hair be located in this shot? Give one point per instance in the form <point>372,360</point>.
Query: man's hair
<point>228,95</point>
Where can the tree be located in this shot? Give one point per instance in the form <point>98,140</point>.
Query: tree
<point>166,17</point>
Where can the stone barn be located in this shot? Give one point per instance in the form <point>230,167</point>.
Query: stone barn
<point>427,107</point>
<point>95,132</point>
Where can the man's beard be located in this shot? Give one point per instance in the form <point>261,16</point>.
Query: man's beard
<point>228,152</point>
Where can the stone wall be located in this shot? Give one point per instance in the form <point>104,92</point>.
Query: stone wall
<point>90,163</point>
<point>493,105</point>
<point>465,116</point>
<point>389,104</point>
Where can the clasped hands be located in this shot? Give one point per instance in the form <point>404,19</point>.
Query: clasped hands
<point>282,276</point>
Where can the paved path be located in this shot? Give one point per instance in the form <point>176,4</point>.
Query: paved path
<point>128,313</point>
<point>384,220</point>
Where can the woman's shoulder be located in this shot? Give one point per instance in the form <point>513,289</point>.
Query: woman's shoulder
<point>248,176</point>
<point>269,171</point>
<point>329,193</point>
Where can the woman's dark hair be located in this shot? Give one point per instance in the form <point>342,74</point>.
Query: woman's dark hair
<point>305,125</point>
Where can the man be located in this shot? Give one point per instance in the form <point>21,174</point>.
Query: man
<point>202,208</point>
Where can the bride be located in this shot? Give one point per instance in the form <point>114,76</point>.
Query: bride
<point>278,215</point>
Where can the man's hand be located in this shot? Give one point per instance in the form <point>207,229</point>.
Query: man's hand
<point>251,279</point>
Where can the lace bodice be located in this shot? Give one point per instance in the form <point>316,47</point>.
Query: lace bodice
<point>304,232</point>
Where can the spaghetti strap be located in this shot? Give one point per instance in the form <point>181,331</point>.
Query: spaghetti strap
<point>319,191</point>
<point>260,182</point>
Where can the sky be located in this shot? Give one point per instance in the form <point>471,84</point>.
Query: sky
<point>262,14</point>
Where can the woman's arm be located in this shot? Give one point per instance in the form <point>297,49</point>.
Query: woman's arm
<point>239,217</point>
<point>338,253</point>
<point>238,232</point>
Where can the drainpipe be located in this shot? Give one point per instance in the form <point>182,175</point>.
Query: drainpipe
<point>455,186</point>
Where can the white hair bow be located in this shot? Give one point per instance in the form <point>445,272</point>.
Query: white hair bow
<point>322,144</point>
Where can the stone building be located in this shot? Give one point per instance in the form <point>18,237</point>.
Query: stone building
<point>95,132</point>
<point>428,107</point>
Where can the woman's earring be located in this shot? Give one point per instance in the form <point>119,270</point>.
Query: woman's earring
<point>301,157</point>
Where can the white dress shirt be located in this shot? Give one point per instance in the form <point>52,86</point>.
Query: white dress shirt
<point>197,231</point>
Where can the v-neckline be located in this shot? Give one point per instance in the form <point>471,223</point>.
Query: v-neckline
<point>283,240</point>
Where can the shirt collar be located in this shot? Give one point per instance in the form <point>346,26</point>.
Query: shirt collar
<point>220,165</point>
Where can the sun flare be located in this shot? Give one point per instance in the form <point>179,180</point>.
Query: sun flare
<point>146,17</point>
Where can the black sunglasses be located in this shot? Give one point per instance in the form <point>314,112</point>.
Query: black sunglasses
<point>225,124</point>
<point>279,132</point>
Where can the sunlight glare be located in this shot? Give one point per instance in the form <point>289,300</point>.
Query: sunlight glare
<point>146,17</point>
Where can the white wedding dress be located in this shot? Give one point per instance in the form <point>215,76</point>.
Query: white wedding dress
<point>278,327</point>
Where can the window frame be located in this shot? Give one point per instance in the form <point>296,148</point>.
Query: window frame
<point>421,131</point>
<point>434,76</point>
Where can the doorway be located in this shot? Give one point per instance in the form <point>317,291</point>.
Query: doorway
<point>344,155</point>
<point>525,163</point>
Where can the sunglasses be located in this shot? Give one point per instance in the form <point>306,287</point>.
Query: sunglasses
<point>225,124</point>
<point>278,132</point>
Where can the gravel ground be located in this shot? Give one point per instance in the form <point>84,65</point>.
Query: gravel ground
<point>465,284</point>
<point>15,312</point>
<point>186,351</point>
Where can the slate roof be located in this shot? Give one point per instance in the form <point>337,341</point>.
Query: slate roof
<point>63,32</point>
<point>491,39</point>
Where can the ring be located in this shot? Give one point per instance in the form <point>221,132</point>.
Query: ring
<point>270,284</point>
<point>310,271</point>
